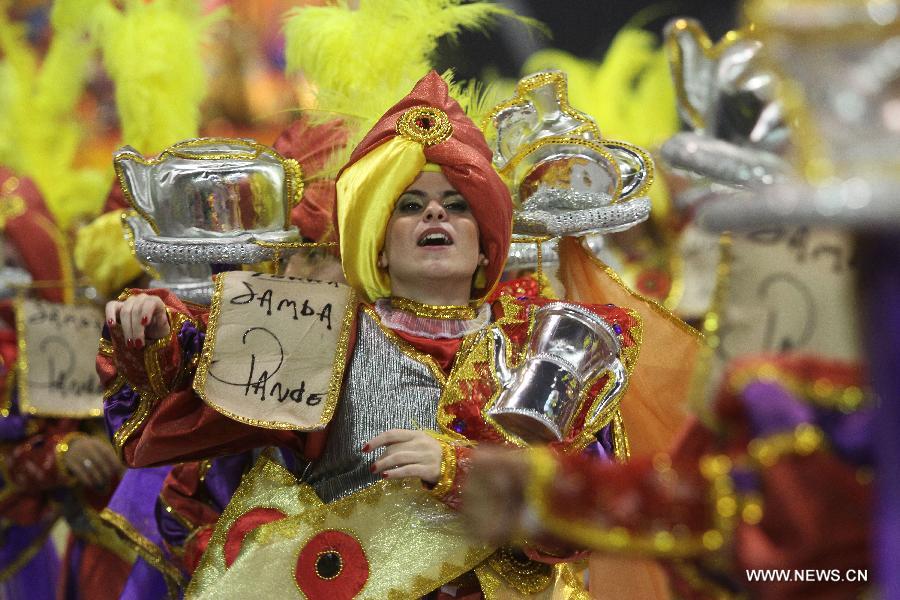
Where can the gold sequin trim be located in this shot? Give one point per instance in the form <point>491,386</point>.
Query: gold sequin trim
<point>617,539</point>
<point>448,471</point>
<point>822,392</point>
<point>157,388</point>
<point>425,124</point>
<point>11,207</point>
<point>523,575</point>
<point>433,311</point>
<point>146,549</point>
<point>802,441</point>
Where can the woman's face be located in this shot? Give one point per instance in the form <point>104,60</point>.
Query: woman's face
<point>431,234</point>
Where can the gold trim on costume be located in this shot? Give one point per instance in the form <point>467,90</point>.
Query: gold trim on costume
<point>448,470</point>
<point>150,395</point>
<point>146,549</point>
<point>433,311</point>
<point>426,125</point>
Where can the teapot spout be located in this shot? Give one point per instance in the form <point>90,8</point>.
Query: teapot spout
<point>134,173</point>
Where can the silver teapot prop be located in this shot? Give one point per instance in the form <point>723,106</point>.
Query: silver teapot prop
<point>191,282</point>
<point>569,348</point>
<point>211,200</point>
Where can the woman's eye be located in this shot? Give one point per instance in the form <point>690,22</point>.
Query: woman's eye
<point>409,205</point>
<point>456,204</point>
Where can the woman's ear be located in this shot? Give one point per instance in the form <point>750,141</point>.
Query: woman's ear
<point>382,261</point>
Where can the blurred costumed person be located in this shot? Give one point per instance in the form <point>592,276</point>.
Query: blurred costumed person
<point>153,53</point>
<point>773,480</point>
<point>53,467</point>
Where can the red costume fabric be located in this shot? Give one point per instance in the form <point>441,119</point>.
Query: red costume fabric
<point>742,496</point>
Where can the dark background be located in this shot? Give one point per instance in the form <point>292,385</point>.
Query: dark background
<point>584,28</point>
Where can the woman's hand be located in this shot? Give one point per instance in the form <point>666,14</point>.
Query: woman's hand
<point>407,454</point>
<point>494,494</point>
<point>92,462</point>
<point>142,316</point>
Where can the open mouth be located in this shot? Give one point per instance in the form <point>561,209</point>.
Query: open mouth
<point>435,238</point>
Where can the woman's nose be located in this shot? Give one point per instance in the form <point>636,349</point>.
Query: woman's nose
<point>434,211</point>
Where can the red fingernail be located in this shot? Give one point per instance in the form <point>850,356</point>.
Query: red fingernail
<point>145,320</point>
<point>384,475</point>
<point>365,448</point>
<point>372,468</point>
<point>138,344</point>
<point>128,343</point>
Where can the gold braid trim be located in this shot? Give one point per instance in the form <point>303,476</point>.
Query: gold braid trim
<point>802,441</point>
<point>433,311</point>
<point>448,470</point>
<point>146,549</point>
<point>617,539</point>
<point>151,394</point>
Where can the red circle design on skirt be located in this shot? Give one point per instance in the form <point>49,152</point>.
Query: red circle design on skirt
<point>247,522</point>
<point>332,566</point>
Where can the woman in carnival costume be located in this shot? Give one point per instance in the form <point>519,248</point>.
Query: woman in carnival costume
<point>424,224</point>
<point>51,467</point>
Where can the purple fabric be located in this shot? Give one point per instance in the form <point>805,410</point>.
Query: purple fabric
<point>224,477</point>
<point>17,539</point>
<point>13,427</point>
<point>881,286</point>
<point>144,583</point>
<point>772,409</point>
<point>37,580</point>
<point>135,499</point>
<point>119,407</point>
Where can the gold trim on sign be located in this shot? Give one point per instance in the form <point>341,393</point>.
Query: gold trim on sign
<point>337,370</point>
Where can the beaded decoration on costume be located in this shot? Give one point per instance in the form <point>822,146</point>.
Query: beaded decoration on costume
<point>425,124</point>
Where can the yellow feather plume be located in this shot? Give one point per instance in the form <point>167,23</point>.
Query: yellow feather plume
<point>362,61</point>
<point>40,132</point>
<point>103,254</point>
<point>152,52</point>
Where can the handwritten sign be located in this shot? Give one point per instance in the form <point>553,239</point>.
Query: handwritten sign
<point>57,359</point>
<point>788,289</point>
<point>275,349</point>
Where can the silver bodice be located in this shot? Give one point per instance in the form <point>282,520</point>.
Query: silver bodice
<point>383,389</point>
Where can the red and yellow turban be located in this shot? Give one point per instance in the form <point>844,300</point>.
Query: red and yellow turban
<point>427,126</point>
